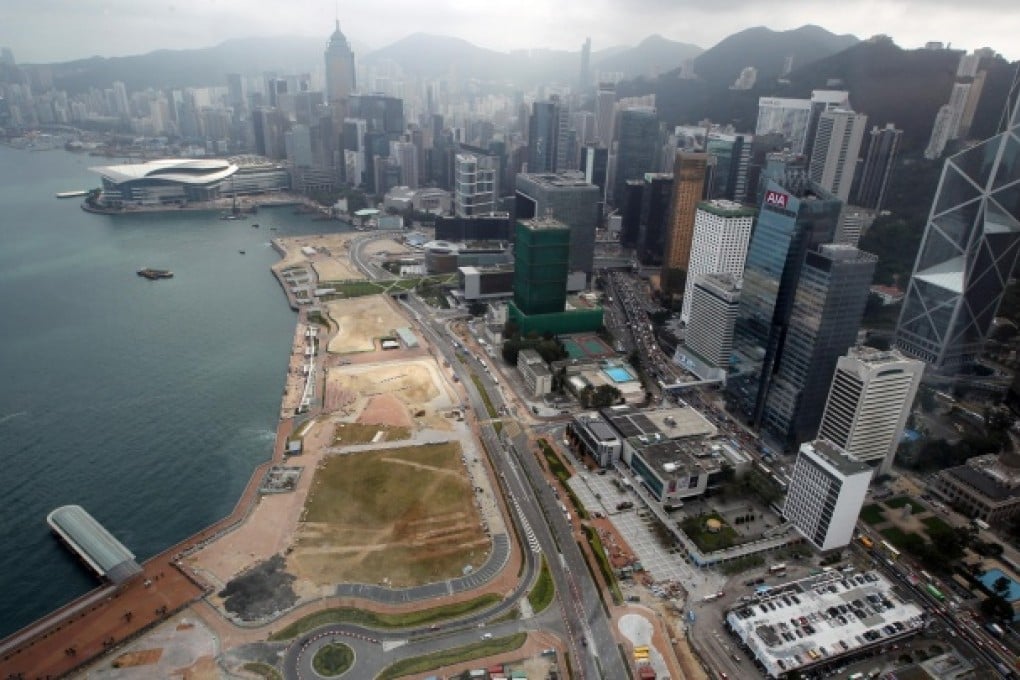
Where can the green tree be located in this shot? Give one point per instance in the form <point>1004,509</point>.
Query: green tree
<point>996,607</point>
<point>1001,585</point>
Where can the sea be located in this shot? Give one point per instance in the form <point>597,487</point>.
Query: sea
<point>148,403</point>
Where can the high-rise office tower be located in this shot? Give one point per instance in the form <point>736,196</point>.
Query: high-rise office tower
<point>543,132</point>
<point>822,101</point>
<point>826,494</point>
<point>837,145</point>
<point>653,218</point>
<point>789,225</point>
<point>883,144</point>
<point>788,117</point>
<point>688,189</point>
<point>827,309</point>
<point>869,402</point>
<point>722,230</point>
<point>605,106</point>
<point>967,254</point>
<point>638,140</point>
<point>406,156</point>
<point>584,78</point>
<point>566,142</point>
<point>595,166</point>
<point>630,213</point>
<point>541,259</point>
<point>341,77</point>
<point>475,188</point>
<point>761,146</point>
<point>567,198</point>
<point>713,311</point>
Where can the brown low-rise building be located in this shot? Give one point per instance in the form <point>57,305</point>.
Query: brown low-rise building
<point>985,488</point>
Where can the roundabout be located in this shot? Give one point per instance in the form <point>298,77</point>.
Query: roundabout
<point>333,660</point>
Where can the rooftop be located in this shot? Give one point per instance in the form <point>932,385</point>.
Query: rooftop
<point>818,618</point>
<point>93,543</point>
<point>724,208</point>
<point>844,463</point>
<point>560,180</point>
<point>681,422</point>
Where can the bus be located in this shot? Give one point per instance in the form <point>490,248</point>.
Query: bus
<point>981,524</point>
<point>867,542</point>
<point>893,552</point>
<point>775,568</point>
<point>935,592</point>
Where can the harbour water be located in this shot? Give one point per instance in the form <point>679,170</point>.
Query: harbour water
<point>149,403</point>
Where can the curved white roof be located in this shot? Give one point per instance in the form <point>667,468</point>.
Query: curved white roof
<point>182,170</point>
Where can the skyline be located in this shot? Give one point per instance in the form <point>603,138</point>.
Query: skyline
<point>52,31</point>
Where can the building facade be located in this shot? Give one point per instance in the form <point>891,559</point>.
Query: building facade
<point>636,147</point>
<point>541,259</point>
<point>837,145</point>
<point>967,254</point>
<point>789,225</point>
<point>341,76</point>
<point>566,197</point>
<point>883,145</point>
<point>476,185</point>
<point>826,494</point>
<point>715,299</point>
<point>722,231</point>
<point>534,372</point>
<point>869,402</point>
<point>688,189</point>
<point>827,309</point>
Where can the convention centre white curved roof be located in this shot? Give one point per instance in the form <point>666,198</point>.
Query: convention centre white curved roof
<point>182,170</point>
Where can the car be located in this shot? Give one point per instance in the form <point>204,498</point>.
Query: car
<point>486,636</point>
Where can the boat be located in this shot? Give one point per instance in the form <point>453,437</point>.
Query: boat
<point>272,228</point>
<point>153,274</point>
<point>72,194</point>
<point>229,217</point>
<point>255,226</point>
<point>241,251</point>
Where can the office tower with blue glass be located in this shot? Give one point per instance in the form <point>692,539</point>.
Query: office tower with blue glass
<point>789,225</point>
<point>967,254</point>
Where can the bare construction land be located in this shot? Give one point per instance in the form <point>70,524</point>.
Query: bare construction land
<point>361,321</point>
<point>331,260</point>
<point>400,394</point>
<point>399,517</point>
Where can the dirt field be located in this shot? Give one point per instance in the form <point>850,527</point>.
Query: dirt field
<point>399,517</point>
<point>361,321</point>
<point>388,246</point>
<point>331,261</point>
<point>364,433</point>
<point>398,394</point>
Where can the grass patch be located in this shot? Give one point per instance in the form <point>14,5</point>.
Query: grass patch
<point>559,469</point>
<point>263,669</point>
<point>414,504</point>
<point>936,525</point>
<point>351,289</point>
<point>908,541</point>
<point>489,408</point>
<point>363,617</point>
<point>362,433</point>
<point>902,501</point>
<point>707,541</point>
<point>873,514</point>
<point>448,657</point>
<point>541,596</point>
<point>595,542</point>
<point>333,659</point>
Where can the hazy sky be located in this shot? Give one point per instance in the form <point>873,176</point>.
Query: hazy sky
<point>59,30</point>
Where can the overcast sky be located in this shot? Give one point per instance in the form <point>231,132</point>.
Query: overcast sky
<point>60,30</point>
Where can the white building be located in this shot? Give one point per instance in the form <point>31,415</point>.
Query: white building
<point>534,372</point>
<point>722,230</point>
<point>869,402</point>
<point>826,494</point>
<point>709,336</point>
<point>475,191</point>
<point>836,149</point>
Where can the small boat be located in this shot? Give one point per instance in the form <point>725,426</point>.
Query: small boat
<point>228,217</point>
<point>255,226</point>
<point>272,228</point>
<point>153,274</point>
<point>72,194</point>
<point>241,251</point>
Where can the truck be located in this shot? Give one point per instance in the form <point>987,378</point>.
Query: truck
<point>776,568</point>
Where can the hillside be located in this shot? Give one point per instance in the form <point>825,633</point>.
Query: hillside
<point>652,56</point>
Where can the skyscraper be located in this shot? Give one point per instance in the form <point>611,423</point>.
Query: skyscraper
<point>635,155</point>
<point>541,258</point>
<point>788,117</point>
<point>341,77</point>
<point>826,494</point>
<point>789,225</point>
<point>605,105</point>
<point>967,254</point>
<point>688,189</point>
<point>837,144</point>
<point>568,198</point>
<point>869,402</point>
<point>475,188</point>
<point>827,308</point>
<point>722,230</point>
<point>543,131</point>
<point>713,311</point>
<point>584,78</point>
<point>653,218</point>
<point>883,145</point>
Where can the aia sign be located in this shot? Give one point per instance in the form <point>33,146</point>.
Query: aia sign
<point>775,198</point>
